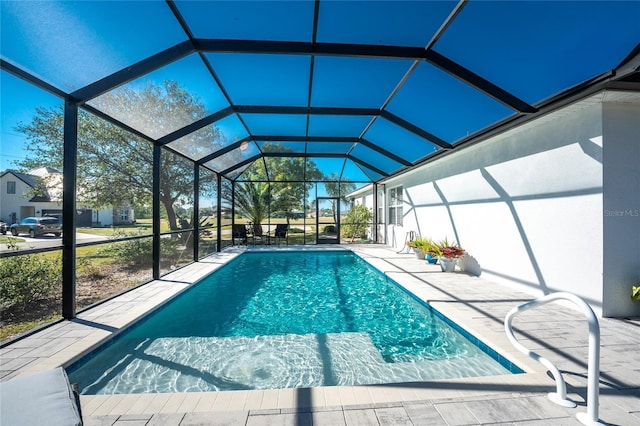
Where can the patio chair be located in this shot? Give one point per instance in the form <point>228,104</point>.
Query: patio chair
<point>239,232</point>
<point>279,234</point>
<point>44,398</point>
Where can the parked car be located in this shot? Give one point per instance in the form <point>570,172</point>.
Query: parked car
<point>3,228</point>
<point>35,226</point>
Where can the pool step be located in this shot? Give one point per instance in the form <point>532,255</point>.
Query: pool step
<point>235,363</point>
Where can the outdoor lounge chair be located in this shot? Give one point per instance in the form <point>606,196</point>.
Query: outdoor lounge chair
<point>279,234</point>
<point>239,232</point>
<point>44,398</point>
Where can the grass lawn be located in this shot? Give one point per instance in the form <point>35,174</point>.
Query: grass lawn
<point>92,256</point>
<point>6,239</point>
<point>10,330</point>
<point>143,225</point>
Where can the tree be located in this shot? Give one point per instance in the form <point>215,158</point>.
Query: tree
<point>252,201</point>
<point>357,221</point>
<point>272,185</point>
<point>115,166</point>
<point>338,189</point>
<point>291,178</point>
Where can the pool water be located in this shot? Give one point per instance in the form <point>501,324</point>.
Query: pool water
<point>271,320</point>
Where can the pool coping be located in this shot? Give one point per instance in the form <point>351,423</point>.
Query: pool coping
<point>64,343</point>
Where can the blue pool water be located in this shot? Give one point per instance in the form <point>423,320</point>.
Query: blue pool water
<point>282,320</point>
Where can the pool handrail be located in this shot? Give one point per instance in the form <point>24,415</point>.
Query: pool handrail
<point>593,372</point>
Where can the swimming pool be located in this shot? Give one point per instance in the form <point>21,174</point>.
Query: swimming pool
<point>270,320</point>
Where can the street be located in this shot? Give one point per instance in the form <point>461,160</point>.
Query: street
<point>48,240</point>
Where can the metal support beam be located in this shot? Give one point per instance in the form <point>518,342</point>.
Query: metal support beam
<point>368,166</point>
<point>240,164</point>
<point>303,138</point>
<point>32,79</point>
<point>375,212</point>
<point>224,150</point>
<point>196,212</point>
<point>219,214</point>
<point>69,170</point>
<point>384,152</point>
<point>197,125</point>
<point>306,48</point>
<point>429,137</point>
<point>134,71</point>
<point>233,211</point>
<point>302,155</point>
<point>157,151</point>
<point>485,86</point>
<point>298,110</point>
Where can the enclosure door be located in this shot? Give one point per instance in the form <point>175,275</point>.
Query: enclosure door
<point>328,220</point>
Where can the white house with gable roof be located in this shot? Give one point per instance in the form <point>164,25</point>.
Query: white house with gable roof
<point>38,193</point>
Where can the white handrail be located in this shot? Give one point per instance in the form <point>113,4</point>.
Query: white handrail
<point>593,372</point>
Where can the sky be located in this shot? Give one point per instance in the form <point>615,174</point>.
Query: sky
<point>18,101</point>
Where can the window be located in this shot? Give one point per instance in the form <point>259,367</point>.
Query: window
<point>395,206</point>
<point>11,187</point>
<point>124,214</point>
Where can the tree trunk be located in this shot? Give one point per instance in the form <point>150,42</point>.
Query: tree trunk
<point>171,215</point>
<point>333,211</point>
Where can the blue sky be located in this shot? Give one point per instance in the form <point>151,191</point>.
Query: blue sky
<point>18,101</point>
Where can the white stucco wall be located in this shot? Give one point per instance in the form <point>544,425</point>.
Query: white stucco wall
<point>103,216</point>
<point>621,206</point>
<point>365,196</point>
<point>526,204</point>
<point>12,203</point>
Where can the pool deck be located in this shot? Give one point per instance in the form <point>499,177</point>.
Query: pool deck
<point>477,305</point>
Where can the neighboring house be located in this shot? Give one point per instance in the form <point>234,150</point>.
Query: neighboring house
<point>38,193</point>
<point>297,214</point>
<point>124,215</point>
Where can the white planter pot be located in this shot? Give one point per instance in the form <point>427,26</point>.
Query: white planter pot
<point>448,264</point>
<point>419,253</point>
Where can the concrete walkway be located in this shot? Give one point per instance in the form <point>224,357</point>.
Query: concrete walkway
<point>477,305</point>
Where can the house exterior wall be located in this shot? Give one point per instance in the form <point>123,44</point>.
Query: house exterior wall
<point>123,215</point>
<point>19,203</point>
<point>621,153</point>
<point>528,204</point>
<point>102,217</point>
<point>365,197</point>
<point>114,216</point>
<point>16,206</point>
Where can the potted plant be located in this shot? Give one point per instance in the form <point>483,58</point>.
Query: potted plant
<point>635,293</point>
<point>433,252</point>
<point>419,246</point>
<point>449,254</point>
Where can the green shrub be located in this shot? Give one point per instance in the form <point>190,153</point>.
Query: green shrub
<point>136,251</point>
<point>357,222</point>
<point>24,279</point>
<point>139,249</point>
<point>329,228</point>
